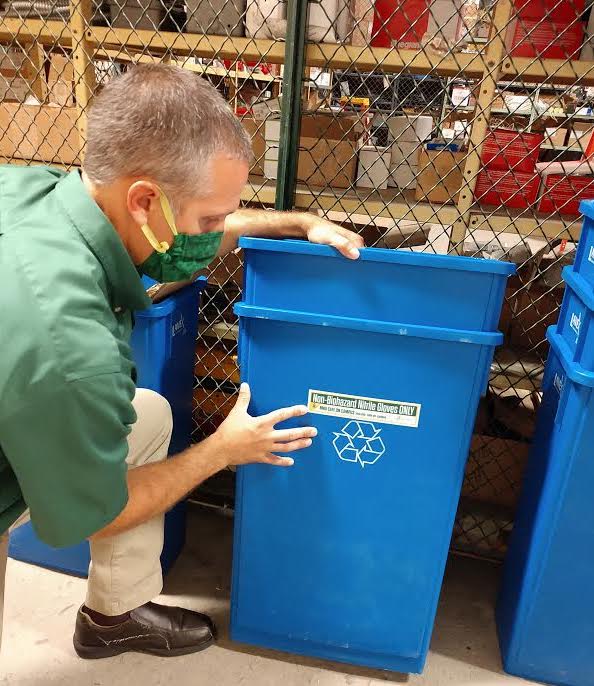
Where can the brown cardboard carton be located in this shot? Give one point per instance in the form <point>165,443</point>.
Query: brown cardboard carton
<point>60,81</point>
<point>39,132</point>
<point>324,162</point>
<point>440,175</point>
<point>255,129</point>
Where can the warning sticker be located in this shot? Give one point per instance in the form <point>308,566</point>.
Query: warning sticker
<point>358,407</point>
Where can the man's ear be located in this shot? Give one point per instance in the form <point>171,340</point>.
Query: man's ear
<point>142,197</point>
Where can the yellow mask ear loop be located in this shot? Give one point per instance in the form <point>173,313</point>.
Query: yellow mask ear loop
<point>163,246</point>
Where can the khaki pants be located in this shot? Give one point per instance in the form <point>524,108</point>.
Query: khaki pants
<point>125,570</point>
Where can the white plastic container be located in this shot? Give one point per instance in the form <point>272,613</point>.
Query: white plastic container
<point>265,18</point>
<point>215,17</point>
<point>373,169</point>
<point>405,128</point>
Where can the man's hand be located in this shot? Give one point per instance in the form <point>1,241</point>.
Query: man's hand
<point>322,231</point>
<point>244,439</point>
<point>265,224</point>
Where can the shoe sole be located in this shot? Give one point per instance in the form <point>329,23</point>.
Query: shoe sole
<point>99,652</point>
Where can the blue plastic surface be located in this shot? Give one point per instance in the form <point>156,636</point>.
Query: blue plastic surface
<point>163,343</point>
<point>576,319</point>
<point>399,286</point>
<point>584,258</point>
<point>546,604</point>
<point>342,555</point>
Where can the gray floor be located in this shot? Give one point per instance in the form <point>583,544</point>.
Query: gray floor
<point>41,606</point>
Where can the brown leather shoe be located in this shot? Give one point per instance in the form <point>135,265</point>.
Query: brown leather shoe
<point>154,629</point>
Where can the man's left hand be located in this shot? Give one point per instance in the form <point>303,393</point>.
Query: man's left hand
<point>324,232</point>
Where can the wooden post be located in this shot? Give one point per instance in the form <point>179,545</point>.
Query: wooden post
<point>493,59</point>
<point>82,56</point>
<point>34,69</point>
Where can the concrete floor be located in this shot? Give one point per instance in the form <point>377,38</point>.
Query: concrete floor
<point>41,606</point>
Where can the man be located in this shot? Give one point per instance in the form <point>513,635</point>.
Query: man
<point>166,161</point>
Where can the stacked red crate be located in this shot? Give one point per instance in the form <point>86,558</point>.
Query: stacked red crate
<point>509,176</point>
<point>551,29</point>
<point>563,194</point>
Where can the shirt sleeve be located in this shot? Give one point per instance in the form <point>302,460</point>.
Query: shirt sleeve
<point>68,450</point>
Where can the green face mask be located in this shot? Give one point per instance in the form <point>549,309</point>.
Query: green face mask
<point>187,255</point>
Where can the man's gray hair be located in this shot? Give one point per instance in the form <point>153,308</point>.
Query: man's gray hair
<point>165,123</point>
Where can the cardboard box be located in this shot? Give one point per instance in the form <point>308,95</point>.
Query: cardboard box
<point>410,129</point>
<point>563,194</point>
<point>545,38</point>
<point>508,188</point>
<point>504,150</point>
<point>60,81</point>
<point>14,84</point>
<point>440,176</point>
<point>363,16</point>
<point>51,133</point>
<point>324,162</point>
<point>580,135</point>
<point>321,162</point>
<point>256,130</point>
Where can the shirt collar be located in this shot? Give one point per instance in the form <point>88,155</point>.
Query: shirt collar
<point>98,232</point>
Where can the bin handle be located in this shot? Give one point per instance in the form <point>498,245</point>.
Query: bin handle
<point>372,325</point>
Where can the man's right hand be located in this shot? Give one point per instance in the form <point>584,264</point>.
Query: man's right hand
<point>245,439</point>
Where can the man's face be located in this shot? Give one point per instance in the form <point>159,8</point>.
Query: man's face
<point>204,214</point>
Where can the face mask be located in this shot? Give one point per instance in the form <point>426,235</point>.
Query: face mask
<point>187,255</point>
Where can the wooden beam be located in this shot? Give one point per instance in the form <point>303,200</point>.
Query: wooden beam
<point>480,125</point>
<point>49,33</point>
<point>198,45</point>
<point>82,59</point>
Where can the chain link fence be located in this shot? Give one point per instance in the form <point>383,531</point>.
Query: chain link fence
<point>443,126</point>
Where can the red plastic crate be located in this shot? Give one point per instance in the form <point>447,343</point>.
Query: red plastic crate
<point>507,188</point>
<point>568,10</point>
<point>545,38</point>
<point>505,150</point>
<point>563,194</point>
<point>400,23</point>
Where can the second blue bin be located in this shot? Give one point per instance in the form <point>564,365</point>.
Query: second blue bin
<point>163,344</point>
<point>342,555</point>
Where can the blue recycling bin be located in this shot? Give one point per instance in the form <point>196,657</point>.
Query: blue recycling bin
<point>342,555</point>
<point>545,611</point>
<point>163,344</point>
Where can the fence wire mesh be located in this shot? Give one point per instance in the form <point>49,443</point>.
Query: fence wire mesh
<point>443,126</point>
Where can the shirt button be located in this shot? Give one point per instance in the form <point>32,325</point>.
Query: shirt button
<point>117,310</point>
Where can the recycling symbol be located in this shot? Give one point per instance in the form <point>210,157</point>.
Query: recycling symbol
<point>359,442</point>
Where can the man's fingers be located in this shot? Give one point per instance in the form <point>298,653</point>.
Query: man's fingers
<point>278,461</point>
<point>244,397</point>
<point>284,435</point>
<point>292,446</point>
<point>345,246</point>
<point>283,414</point>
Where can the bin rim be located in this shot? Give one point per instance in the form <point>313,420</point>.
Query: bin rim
<point>452,262</point>
<point>486,338</point>
<point>574,371</point>
<point>587,208</point>
<point>579,286</point>
<point>165,307</point>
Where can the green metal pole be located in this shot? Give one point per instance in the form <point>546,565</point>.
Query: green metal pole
<point>288,153</point>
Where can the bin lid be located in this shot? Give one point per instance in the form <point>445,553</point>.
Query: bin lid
<point>587,208</point>
<point>167,305</point>
<point>574,371</point>
<point>432,261</point>
<point>580,286</point>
